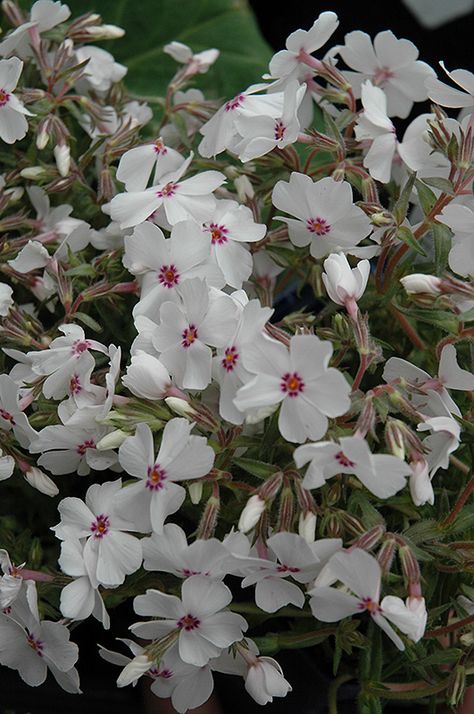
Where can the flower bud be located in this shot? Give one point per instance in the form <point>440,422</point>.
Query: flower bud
<point>421,490</point>
<point>249,517</point>
<point>244,188</point>
<point>386,554</point>
<point>420,283</point>
<point>41,482</point>
<point>345,285</point>
<point>410,567</point>
<point>105,32</point>
<point>394,438</point>
<point>370,538</point>
<point>307,526</point>
<point>265,680</point>
<point>195,492</point>
<point>181,407</point>
<point>32,172</point>
<point>133,670</point>
<point>112,440</point>
<point>62,155</point>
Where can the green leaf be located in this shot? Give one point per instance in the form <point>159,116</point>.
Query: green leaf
<point>426,196</point>
<point>89,321</point>
<point>227,25</point>
<point>442,244</point>
<point>260,469</point>
<point>406,236</point>
<point>439,318</point>
<point>401,207</point>
<point>441,183</point>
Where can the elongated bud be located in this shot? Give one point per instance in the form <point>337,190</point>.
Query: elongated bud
<point>244,188</point>
<point>271,487</point>
<point>249,517</point>
<point>421,489</point>
<point>386,554</point>
<point>39,480</point>
<point>394,438</point>
<point>287,510</point>
<point>366,420</point>
<point>181,407</point>
<point>208,522</point>
<point>370,538</point>
<point>112,440</point>
<point>105,32</point>
<point>195,492</point>
<point>62,154</point>
<point>420,283</point>
<point>307,526</point>
<point>410,567</point>
<point>33,173</point>
<point>133,670</point>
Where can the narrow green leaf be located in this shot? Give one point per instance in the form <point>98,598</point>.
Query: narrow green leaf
<point>441,183</point>
<point>406,236</point>
<point>89,321</point>
<point>442,245</point>
<point>426,196</point>
<point>260,469</point>
<point>400,208</point>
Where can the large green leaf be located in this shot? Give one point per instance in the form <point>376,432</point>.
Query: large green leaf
<point>228,25</point>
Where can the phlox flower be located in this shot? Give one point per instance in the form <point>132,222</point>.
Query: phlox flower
<point>137,165</point>
<point>100,72</point>
<point>374,125</point>
<point>299,378</point>
<point>156,495</point>
<point>460,219</point>
<point>447,96</point>
<point>326,218</point>
<point>13,125</point>
<point>44,15</point>
<point>80,598</point>
<point>199,62</point>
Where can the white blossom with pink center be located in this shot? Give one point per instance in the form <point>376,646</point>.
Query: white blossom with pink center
<point>177,200</point>
<point>109,553</point>
<point>204,319</point>
<point>169,552</point>
<point>65,357</point>
<point>299,378</point>
<point>220,132</point>
<point>203,625</point>
<point>290,556</point>
<point>447,96</point>
<point>389,63</point>
<point>326,218</point>
<point>138,164</point>
<point>100,72</point>
<point>12,417</point>
<point>230,228</point>
<point>360,574</point>
<point>382,474</point>
<point>164,263</point>
<point>228,368</point>
<point>33,646</point>
<point>374,127</point>
<point>44,15</point>
<point>80,598</point>
<point>181,457</point>
<point>13,125</point>
<point>262,134</point>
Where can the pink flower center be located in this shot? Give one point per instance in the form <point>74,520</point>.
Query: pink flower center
<point>218,233</point>
<point>156,672</point>
<point>188,623</point>
<point>156,478</point>
<point>7,416</point>
<point>382,75</point>
<point>230,358</point>
<point>168,276</point>
<point>189,573</point>
<point>75,385</point>
<point>4,97</point>
<point>343,460</point>
<point>189,335</point>
<point>370,605</point>
<point>292,384</point>
<point>168,190</point>
<point>80,346</point>
<point>100,527</point>
<point>318,225</point>
<point>235,103</point>
<point>35,644</point>
<point>159,148</point>
<point>87,444</point>
<point>287,569</point>
<point>279,131</point>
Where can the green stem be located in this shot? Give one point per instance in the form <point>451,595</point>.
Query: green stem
<point>332,691</point>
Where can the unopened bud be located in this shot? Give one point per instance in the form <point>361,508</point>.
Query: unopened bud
<point>244,188</point>
<point>420,283</point>
<point>133,670</point>
<point>287,510</point>
<point>195,491</point>
<point>380,218</point>
<point>33,172</point>
<point>410,567</point>
<point>208,522</point>
<point>421,489</point>
<point>112,440</point>
<point>181,407</point>
<point>332,526</point>
<point>394,438</point>
<point>105,32</point>
<point>249,517</point>
<point>62,154</point>
<point>307,526</point>
<point>271,487</point>
<point>386,554</point>
<point>39,480</point>
<point>370,537</point>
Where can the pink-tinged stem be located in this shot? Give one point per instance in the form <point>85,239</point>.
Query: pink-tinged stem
<point>364,363</point>
<point>35,575</point>
<point>469,488</point>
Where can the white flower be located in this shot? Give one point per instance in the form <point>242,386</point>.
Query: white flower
<point>345,286</point>
<point>169,552</point>
<point>186,332</point>
<point>200,62</point>
<point>204,627</point>
<point>137,164</point>
<point>461,221</point>
<point>80,598</point>
<point>327,219</point>
<point>251,513</point>
<point>421,490</point>
<point>265,680</point>
<point>177,200</point>
<point>109,554</point>
<point>32,256</point>
<point>230,228</point>
<point>441,443</point>
<point>360,573</point>
<point>156,495</point>
<point>391,64</point>
<point>11,581</point>
<point>421,283</point>
<point>32,647</point>
<point>44,14</point>
<point>262,134</point>
<point>11,415</point>
<point>164,263</point>
<point>6,301</point>
<point>13,125</point>
<point>287,62</point>
<point>221,133</point>
<point>309,391</point>
<point>383,474</point>
<point>100,72</point>
<point>447,96</point>
<point>147,377</point>
<point>373,124</point>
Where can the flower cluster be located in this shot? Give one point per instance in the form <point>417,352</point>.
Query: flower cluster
<point>194,423</point>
